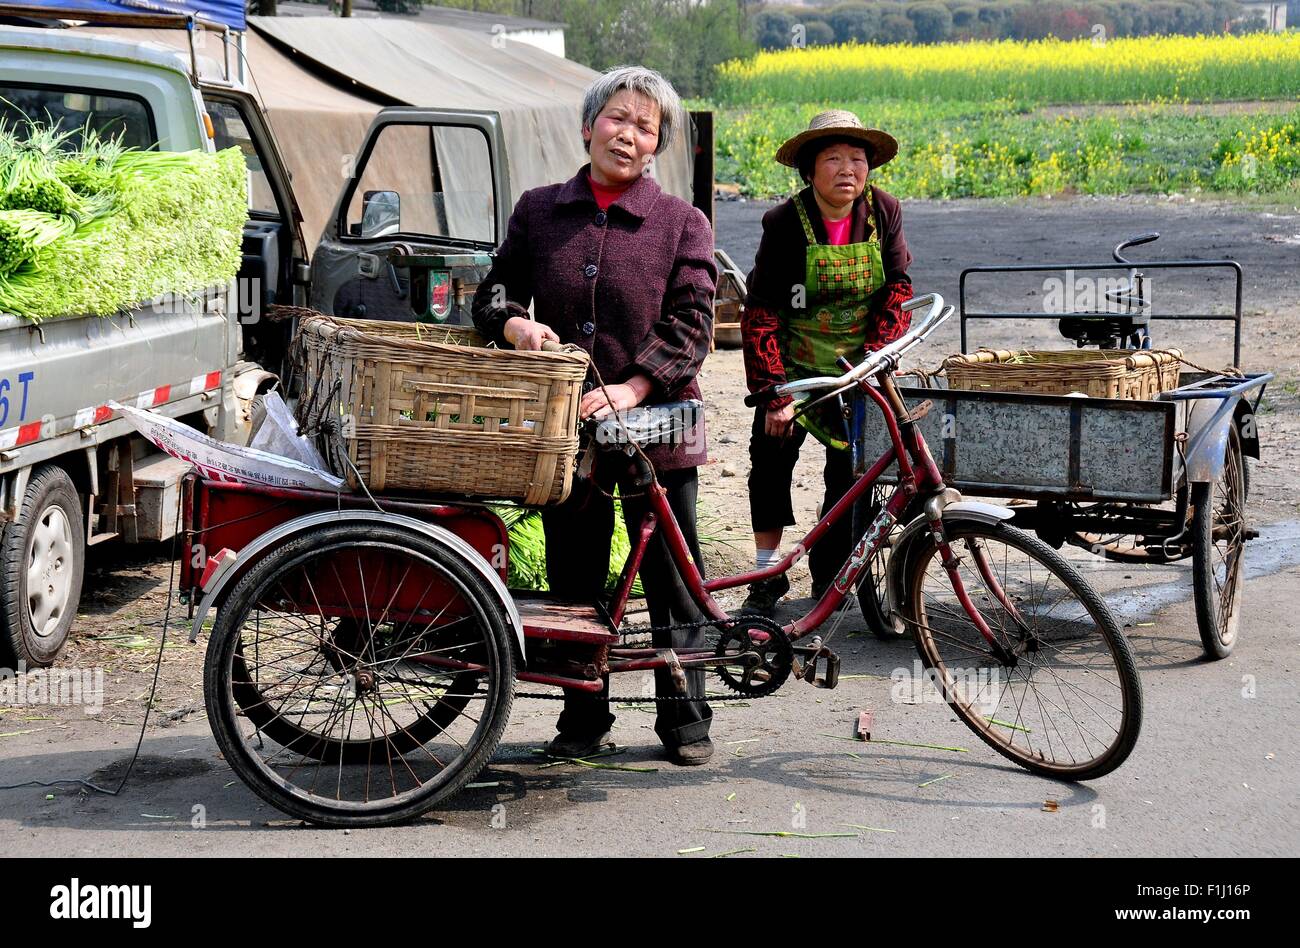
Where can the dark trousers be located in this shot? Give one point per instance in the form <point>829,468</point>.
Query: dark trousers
<point>771,472</point>
<point>578,534</point>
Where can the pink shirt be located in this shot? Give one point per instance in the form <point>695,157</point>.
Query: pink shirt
<point>838,231</point>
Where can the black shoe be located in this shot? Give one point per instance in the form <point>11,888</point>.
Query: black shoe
<point>568,745</point>
<point>693,754</point>
<point>764,595</point>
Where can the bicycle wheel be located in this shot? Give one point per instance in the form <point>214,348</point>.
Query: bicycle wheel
<point>340,640</point>
<point>1218,536</point>
<point>359,675</point>
<point>1058,692</point>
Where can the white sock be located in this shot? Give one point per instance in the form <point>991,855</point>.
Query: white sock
<point>765,558</point>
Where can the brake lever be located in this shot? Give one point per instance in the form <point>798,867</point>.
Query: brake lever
<point>809,406</point>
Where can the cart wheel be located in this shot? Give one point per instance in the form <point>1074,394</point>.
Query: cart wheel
<point>873,584</point>
<point>1218,548</point>
<point>359,675</point>
<point>342,639</point>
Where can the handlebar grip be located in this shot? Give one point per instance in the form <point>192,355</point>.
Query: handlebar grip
<point>761,397</point>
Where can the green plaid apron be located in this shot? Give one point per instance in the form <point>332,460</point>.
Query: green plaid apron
<point>839,283</point>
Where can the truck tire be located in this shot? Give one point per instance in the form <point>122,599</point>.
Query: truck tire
<point>43,557</point>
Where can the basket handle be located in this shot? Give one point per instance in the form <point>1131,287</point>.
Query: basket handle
<point>479,391</point>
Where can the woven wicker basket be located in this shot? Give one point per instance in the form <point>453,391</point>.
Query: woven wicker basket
<point>413,407</point>
<point>1097,373</point>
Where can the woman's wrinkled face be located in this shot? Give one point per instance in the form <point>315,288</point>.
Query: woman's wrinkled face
<point>623,140</point>
<point>840,173</point>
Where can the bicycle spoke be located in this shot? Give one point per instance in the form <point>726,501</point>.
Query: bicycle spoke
<point>331,696</point>
<point>1054,683</point>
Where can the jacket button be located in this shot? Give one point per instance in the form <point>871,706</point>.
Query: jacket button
<point>589,270</point>
<point>601,218</point>
<point>588,328</point>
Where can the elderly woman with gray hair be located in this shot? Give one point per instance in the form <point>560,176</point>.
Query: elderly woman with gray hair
<point>611,263</point>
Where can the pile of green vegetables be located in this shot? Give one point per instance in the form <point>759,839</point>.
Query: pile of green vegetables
<point>528,546</point>
<point>90,227</point>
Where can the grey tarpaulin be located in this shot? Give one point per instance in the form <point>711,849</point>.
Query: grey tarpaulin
<point>322,79</point>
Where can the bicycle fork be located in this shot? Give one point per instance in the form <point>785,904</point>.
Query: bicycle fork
<point>951,561</point>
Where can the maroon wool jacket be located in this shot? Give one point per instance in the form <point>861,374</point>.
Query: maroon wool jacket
<point>779,268</point>
<point>632,285</point>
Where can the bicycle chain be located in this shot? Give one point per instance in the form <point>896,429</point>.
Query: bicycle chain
<point>650,630</point>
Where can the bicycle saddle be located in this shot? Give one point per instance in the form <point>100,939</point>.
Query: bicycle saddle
<point>668,423</point>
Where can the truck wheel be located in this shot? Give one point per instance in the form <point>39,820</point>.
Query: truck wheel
<point>43,554</point>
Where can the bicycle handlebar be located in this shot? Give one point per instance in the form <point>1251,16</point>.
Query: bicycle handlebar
<point>1138,241</point>
<point>875,361</point>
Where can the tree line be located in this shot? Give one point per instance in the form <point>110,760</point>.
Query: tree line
<point>939,21</point>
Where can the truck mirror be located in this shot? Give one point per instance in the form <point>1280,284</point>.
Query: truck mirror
<point>381,213</point>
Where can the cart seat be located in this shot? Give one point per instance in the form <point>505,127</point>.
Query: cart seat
<point>546,617</point>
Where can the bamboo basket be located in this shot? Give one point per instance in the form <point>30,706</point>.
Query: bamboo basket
<point>1097,373</point>
<point>407,406</point>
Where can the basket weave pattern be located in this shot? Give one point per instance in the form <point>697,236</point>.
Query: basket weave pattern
<point>1097,373</point>
<point>411,407</point>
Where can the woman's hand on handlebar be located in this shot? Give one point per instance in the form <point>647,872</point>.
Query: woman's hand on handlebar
<point>778,421</point>
<point>527,333</point>
<point>600,402</point>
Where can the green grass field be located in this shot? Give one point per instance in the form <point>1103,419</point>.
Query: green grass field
<point>965,149</point>
<point>1014,119</point>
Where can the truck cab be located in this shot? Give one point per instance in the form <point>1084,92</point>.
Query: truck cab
<point>416,219</point>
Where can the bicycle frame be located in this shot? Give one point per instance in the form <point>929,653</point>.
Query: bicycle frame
<point>918,476</point>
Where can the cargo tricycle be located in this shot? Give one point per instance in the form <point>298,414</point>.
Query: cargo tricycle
<point>364,649</point>
<point>1151,479</point>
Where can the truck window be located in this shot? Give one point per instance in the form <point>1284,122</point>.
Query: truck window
<point>228,128</point>
<point>71,110</point>
<point>425,180</point>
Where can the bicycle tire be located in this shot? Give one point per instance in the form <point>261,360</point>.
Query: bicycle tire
<point>1005,736</point>
<point>1218,604</point>
<point>243,750</point>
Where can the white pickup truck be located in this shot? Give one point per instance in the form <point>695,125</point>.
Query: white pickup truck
<point>73,473</point>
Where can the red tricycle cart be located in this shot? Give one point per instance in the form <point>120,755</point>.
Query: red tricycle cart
<point>364,650</point>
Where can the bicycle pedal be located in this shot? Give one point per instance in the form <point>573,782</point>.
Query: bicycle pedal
<point>862,730</point>
<point>675,670</point>
<point>808,672</point>
<point>832,671</point>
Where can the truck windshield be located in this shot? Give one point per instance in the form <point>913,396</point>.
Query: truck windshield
<point>229,130</point>
<point>425,179</point>
<point>73,110</point>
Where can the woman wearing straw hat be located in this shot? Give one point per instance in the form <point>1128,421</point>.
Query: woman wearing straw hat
<point>829,280</point>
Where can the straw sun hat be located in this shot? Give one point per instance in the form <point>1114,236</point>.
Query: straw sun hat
<point>839,123</point>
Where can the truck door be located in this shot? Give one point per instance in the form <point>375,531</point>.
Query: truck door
<point>424,206</point>
<point>273,246</point>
